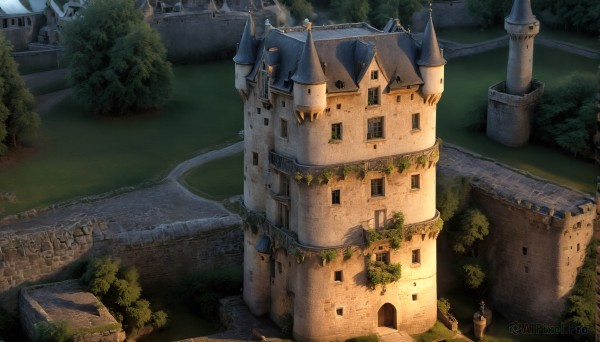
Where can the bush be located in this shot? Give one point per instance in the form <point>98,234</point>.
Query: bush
<point>443,305</point>
<point>367,338</point>
<point>159,319</point>
<point>202,290</point>
<point>474,226</point>
<point>54,332</point>
<point>286,324</point>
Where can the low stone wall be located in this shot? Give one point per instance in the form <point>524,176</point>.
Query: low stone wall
<point>32,61</point>
<point>161,252</point>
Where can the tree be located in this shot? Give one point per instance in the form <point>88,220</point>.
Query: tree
<point>299,9</point>
<point>350,10</point>
<point>489,12</point>
<point>18,122</point>
<point>117,63</point>
<point>473,275</point>
<point>406,8</point>
<point>474,226</point>
<point>566,117</point>
<point>382,11</point>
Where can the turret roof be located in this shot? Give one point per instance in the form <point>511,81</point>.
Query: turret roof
<point>521,13</point>
<point>309,66</point>
<point>430,50</point>
<point>246,53</point>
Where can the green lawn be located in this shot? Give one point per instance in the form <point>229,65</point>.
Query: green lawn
<point>219,179</point>
<point>438,332</point>
<point>81,155</point>
<point>467,81</point>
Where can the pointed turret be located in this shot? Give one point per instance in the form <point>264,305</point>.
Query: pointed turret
<point>431,65</point>
<point>430,50</point>
<point>309,67</point>
<point>310,88</point>
<point>521,13</point>
<point>245,58</point>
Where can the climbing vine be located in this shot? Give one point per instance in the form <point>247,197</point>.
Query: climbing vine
<point>380,273</point>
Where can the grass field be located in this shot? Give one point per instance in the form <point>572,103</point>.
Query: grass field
<point>226,178</point>
<point>80,155</point>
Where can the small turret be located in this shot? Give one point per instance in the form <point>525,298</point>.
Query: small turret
<point>431,65</point>
<point>245,58</point>
<point>310,95</point>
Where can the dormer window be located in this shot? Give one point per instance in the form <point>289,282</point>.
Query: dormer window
<point>339,84</point>
<point>374,74</point>
<point>263,91</point>
<point>373,98</point>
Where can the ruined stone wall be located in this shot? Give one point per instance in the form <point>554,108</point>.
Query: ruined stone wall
<point>160,253</point>
<point>533,256</point>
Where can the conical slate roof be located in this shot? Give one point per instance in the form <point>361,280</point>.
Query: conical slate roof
<point>245,53</point>
<point>521,13</point>
<point>309,67</point>
<point>430,50</point>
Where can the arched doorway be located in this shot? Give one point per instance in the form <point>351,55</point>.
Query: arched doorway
<point>386,317</point>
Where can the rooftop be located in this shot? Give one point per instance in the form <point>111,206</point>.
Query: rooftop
<point>330,31</point>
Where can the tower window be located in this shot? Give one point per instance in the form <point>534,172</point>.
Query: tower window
<point>375,128</point>
<point>415,297</point>
<point>524,250</point>
<point>577,247</point>
<point>441,81</point>
<point>283,104</point>
<point>415,182</point>
<point>258,110</point>
<point>339,311</point>
<point>309,90</point>
<point>398,98</point>
<point>336,131</point>
<point>338,106</point>
<point>380,218</point>
<point>377,187</point>
<point>284,215</point>
<point>416,256</point>
<point>337,276</point>
<point>279,267</point>
<point>383,257</point>
<point>412,97</point>
<point>526,269</point>
<point>373,98</point>
<point>254,158</point>
<point>266,121</point>
<point>284,128</point>
<point>335,196</point>
<point>416,121</point>
<point>374,74</point>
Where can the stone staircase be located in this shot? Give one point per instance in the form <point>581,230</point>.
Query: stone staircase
<point>393,335</point>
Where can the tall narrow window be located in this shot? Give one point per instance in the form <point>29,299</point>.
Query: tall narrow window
<point>380,218</point>
<point>284,215</point>
<point>254,158</point>
<point>335,196</point>
<point>336,131</point>
<point>284,128</point>
<point>337,276</point>
<point>264,84</point>
<point>377,187</point>
<point>284,185</point>
<point>373,96</point>
<point>416,121</point>
<point>415,182</point>
<point>524,250</point>
<point>375,128</point>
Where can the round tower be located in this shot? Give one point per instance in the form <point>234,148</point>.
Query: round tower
<point>521,26</point>
<point>310,95</point>
<point>431,66</point>
<point>244,59</point>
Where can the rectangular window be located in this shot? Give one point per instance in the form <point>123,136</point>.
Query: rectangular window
<point>284,185</point>
<point>338,106</point>
<point>258,110</point>
<point>526,269</point>
<point>415,182</point>
<point>337,276</point>
<point>373,98</point>
<point>380,217</point>
<point>377,187</point>
<point>374,74</point>
<point>264,85</point>
<point>524,250</point>
<point>266,121</point>
<point>578,247</point>
<point>415,297</point>
<point>339,311</point>
<point>383,257</point>
<point>412,97</point>
<point>416,121</point>
<point>398,98</point>
<point>284,215</point>
<point>283,104</point>
<point>336,131</point>
<point>254,158</point>
<point>335,196</point>
<point>416,256</point>
<point>4,23</point>
<point>375,128</point>
<point>279,267</point>
<point>284,128</point>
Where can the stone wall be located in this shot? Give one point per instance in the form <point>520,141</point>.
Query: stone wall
<point>445,14</point>
<point>533,256</point>
<point>161,252</point>
<point>32,61</point>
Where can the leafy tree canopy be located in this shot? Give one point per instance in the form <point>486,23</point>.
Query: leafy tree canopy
<point>473,275</point>
<point>18,122</point>
<point>117,63</point>
<point>299,9</point>
<point>474,226</point>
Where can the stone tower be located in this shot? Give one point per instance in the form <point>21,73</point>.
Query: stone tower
<point>511,103</point>
<point>339,177</point>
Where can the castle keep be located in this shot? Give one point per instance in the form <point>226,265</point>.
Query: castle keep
<point>511,103</point>
<point>339,177</point>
